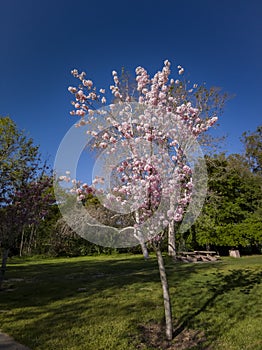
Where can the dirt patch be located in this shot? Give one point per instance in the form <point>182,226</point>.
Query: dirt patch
<point>153,336</point>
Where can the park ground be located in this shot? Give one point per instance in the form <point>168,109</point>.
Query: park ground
<point>115,303</point>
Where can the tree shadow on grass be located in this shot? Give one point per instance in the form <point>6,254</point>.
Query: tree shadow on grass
<point>49,297</point>
<point>58,282</point>
<point>61,279</point>
<point>241,280</point>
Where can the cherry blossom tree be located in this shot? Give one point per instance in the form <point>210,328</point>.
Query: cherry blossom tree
<point>147,156</point>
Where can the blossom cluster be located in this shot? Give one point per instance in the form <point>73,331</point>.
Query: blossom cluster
<point>166,120</point>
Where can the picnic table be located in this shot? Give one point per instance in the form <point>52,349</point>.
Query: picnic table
<point>198,255</point>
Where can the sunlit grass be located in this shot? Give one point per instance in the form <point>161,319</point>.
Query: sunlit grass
<point>100,302</point>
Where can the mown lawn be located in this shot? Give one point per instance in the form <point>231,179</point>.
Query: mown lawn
<point>105,302</point>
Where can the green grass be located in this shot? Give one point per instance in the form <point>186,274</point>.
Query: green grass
<point>46,311</point>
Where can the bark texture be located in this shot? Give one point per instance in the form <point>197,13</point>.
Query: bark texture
<point>3,266</point>
<point>166,296</point>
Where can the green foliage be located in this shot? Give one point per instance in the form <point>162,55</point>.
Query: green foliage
<point>18,159</point>
<point>25,187</point>
<point>231,214</point>
<point>253,148</point>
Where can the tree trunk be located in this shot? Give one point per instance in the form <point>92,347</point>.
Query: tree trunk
<point>194,239</point>
<point>22,242</point>
<point>142,244</point>
<point>171,232</point>
<point>140,238</point>
<point>166,296</point>
<point>144,250</point>
<point>171,240</point>
<point>3,267</point>
<point>29,248</point>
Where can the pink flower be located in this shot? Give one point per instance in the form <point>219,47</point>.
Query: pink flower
<point>87,83</point>
<point>165,223</point>
<point>112,139</point>
<point>178,217</point>
<point>80,112</point>
<point>170,214</point>
<point>105,136</point>
<point>71,89</point>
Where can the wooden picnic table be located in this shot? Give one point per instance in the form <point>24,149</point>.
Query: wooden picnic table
<point>198,255</point>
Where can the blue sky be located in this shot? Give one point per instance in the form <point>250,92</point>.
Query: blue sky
<point>218,42</point>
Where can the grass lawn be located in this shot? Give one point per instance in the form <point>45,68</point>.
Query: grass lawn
<point>108,302</point>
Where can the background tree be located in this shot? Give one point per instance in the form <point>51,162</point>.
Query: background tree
<point>231,215</point>
<point>33,203</point>
<point>23,186</point>
<point>253,148</point>
<point>210,103</point>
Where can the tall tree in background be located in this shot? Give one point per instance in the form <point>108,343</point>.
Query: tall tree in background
<point>253,148</point>
<point>24,186</point>
<point>231,215</point>
<point>210,103</point>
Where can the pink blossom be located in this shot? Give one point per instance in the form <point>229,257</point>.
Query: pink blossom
<point>81,113</point>
<point>71,89</point>
<point>87,83</point>
<point>165,223</point>
<point>139,173</point>
<point>103,144</point>
<point>178,217</point>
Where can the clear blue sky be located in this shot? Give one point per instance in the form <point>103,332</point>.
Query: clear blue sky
<point>219,42</point>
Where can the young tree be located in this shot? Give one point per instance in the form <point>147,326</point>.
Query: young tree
<point>150,148</point>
